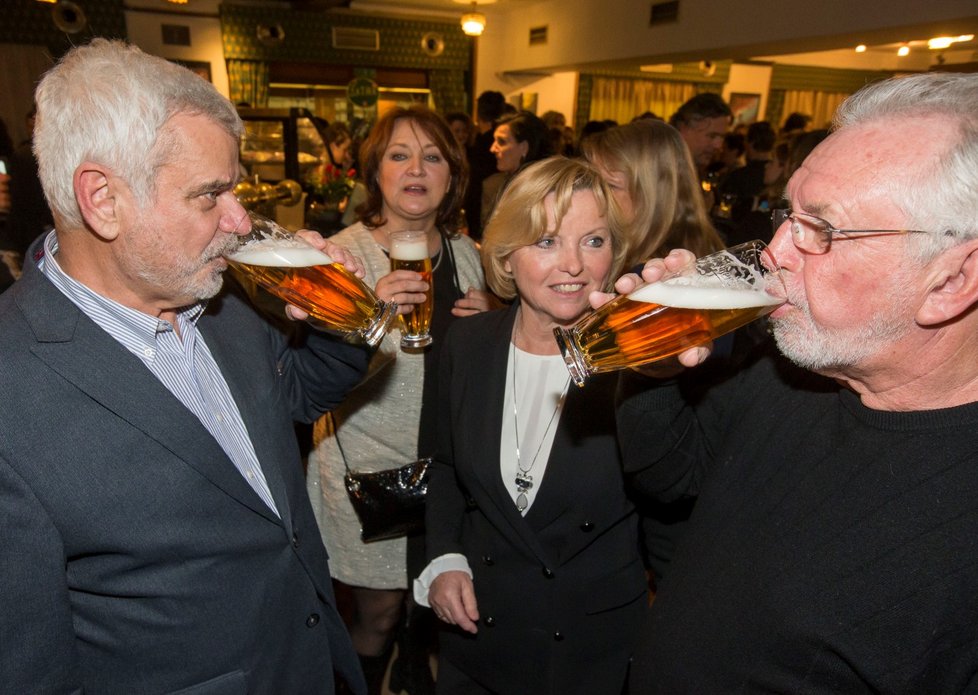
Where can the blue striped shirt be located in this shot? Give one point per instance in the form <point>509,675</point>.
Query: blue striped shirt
<point>185,367</point>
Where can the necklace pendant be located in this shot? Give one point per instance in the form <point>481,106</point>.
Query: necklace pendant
<point>520,503</point>
<point>523,481</point>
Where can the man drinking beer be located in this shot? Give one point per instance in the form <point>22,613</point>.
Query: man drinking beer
<point>832,547</point>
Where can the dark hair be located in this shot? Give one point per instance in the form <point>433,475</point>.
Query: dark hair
<point>453,116</point>
<point>527,127</point>
<point>796,121</point>
<point>489,106</point>
<point>370,213</point>
<point>734,142</point>
<point>801,146</point>
<point>761,136</point>
<point>6,144</point>
<point>701,107</point>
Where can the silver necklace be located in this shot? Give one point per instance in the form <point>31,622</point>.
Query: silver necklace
<point>523,480</point>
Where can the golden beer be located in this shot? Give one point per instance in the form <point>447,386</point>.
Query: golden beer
<point>721,293</point>
<point>308,278</point>
<point>409,251</point>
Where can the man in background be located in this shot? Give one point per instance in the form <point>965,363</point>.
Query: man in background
<point>702,122</point>
<point>482,162</point>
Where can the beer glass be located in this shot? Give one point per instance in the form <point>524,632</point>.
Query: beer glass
<point>296,272</point>
<point>714,295</point>
<point>409,251</point>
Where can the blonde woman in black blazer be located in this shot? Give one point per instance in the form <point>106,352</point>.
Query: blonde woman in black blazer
<point>535,568</point>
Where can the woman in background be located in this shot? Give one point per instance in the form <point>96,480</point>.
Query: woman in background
<point>651,174</point>
<point>414,174</point>
<point>517,141</point>
<point>533,547</point>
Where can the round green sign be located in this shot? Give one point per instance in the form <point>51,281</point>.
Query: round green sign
<point>362,92</point>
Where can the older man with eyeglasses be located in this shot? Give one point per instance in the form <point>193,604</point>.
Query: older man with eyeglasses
<point>834,543</point>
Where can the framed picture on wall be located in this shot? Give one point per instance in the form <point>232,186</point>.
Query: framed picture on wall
<point>201,68</point>
<point>745,107</point>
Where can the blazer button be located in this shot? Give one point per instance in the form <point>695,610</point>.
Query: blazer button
<point>295,539</point>
<point>489,621</point>
<point>548,573</point>
<point>312,620</point>
<point>558,636</point>
<point>487,560</point>
<point>587,526</point>
<point>471,503</point>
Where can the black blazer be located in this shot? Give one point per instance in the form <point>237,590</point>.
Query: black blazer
<point>135,557</point>
<point>562,591</point>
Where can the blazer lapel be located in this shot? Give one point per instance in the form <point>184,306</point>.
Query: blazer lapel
<point>489,373</point>
<point>266,442</point>
<point>72,345</point>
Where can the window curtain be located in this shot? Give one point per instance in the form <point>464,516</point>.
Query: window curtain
<point>622,99</point>
<point>248,82</point>
<point>820,106</point>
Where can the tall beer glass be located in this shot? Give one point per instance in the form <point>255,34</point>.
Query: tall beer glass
<point>409,251</point>
<point>713,296</point>
<point>294,271</point>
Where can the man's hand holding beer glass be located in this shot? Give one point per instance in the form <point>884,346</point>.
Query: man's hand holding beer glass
<point>682,305</point>
<point>301,270</point>
<point>653,271</point>
<point>338,253</point>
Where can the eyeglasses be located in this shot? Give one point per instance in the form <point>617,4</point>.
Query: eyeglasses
<point>814,235</point>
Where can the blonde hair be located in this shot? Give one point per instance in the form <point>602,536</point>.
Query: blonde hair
<point>669,209</point>
<point>520,217</point>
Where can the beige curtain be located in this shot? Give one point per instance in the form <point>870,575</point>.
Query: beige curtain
<point>820,106</point>
<point>248,82</point>
<point>623,99</point>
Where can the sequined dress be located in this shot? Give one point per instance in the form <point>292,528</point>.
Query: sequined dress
<point>378,429</point>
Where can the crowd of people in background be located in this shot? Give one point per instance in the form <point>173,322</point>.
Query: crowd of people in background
<point>798,502</point>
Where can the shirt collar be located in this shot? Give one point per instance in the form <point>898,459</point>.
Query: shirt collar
<point>137,330</point>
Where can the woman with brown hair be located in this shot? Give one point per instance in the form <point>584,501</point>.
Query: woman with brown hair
<point>414,172</point>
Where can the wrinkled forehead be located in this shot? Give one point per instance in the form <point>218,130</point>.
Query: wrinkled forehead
<point>872,161</point>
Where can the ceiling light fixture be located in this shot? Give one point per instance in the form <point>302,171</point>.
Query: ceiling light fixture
<point>473,23</point>
<point>903,51</point>
<point>940,42</point>
<point>861,48</point>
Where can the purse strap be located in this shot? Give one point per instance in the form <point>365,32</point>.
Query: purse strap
<point>336,436</point>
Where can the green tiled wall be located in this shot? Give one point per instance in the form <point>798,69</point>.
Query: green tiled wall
<point>29,22</point>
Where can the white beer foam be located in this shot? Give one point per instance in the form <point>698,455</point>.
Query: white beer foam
<point>272,253</point>
<point>688,297</point>
<point>409,250</point>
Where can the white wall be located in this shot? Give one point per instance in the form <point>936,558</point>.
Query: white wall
<point>144,28</point>
<point>749,79</point>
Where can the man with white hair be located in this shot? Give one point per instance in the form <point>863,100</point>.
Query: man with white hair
<point>157,536</point>
<point>833,543</point>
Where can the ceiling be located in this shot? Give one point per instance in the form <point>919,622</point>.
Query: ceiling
<point>881,54</point>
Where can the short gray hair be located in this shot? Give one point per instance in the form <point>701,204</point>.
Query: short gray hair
<point>108,102</point>
<point>945,198</point>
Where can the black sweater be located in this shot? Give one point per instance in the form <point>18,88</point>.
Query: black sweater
<point>833,548</point>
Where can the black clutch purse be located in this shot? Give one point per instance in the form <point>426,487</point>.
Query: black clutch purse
<point>388,503</point>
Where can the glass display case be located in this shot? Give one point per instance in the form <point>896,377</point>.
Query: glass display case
<point>281,144</point>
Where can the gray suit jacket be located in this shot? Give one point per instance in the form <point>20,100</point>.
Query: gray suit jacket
<point>135,558</point>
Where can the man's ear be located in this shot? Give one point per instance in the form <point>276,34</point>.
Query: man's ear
<point>953,287</point>
<point>96,198</point>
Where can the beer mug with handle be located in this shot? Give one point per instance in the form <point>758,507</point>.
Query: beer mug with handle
<point>409,251</point>
<point>297,273</point>
<point>714,295</point>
